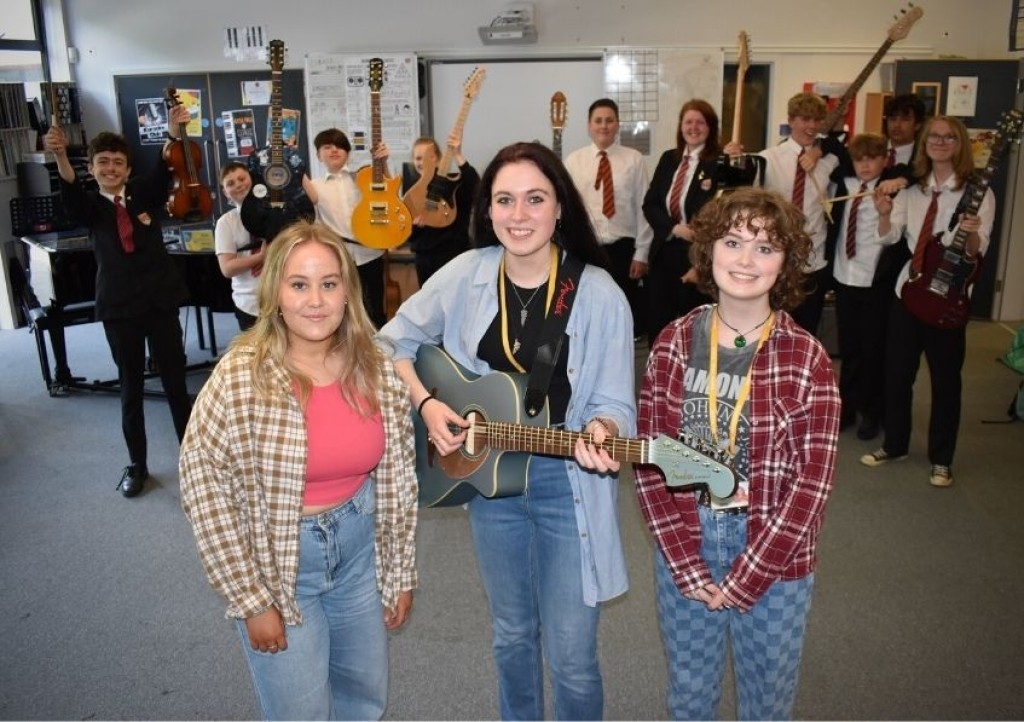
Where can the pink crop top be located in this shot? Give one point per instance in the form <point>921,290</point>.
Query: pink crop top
<point>343,447</point>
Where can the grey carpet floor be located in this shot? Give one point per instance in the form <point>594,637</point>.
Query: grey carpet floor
<point>105,613</point>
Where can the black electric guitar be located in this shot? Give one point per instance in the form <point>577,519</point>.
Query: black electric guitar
<point>495,459</point>
<point>940,294</point>
<point>559,111</point>
<point>276,199</point>
<point>432,197</point>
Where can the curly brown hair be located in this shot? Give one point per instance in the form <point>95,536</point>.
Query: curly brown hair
<point>755,208</point>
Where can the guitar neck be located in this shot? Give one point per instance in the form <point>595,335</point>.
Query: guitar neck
<point>556,141</point>
<point>553,442</point>
<point>837,112</point>
<point>375,136</point>
<point>737,112</point>
<point>276,141</point>
<point>445,164</point>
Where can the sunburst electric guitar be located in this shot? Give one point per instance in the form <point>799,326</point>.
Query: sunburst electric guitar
<point>381,220</point>
<point>495,459</point>
<point>939,294</point>
<point>432,197</point>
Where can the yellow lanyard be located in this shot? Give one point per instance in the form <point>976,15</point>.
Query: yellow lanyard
<point>552,278</point>
<point>734,423</point>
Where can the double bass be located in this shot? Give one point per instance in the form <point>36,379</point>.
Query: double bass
<point>190,200</point>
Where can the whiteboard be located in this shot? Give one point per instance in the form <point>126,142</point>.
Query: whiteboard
<point>514,102</point>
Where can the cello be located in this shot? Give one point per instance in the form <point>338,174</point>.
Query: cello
<point>190,200</point>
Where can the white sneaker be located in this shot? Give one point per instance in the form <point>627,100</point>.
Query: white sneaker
<point>941,476</point>
<point>879,457</point>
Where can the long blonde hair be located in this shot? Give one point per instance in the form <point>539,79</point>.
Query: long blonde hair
<point>362,359</point>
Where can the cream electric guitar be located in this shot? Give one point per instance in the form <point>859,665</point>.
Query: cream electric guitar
<point>559,111</point>
<point>432,197</point>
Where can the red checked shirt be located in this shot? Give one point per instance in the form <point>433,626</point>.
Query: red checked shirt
<point>794,412</point>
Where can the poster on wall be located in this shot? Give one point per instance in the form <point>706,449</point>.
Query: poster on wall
<point>152,113</point>
<point>982,140</point>
<point>289,127</point>
<point>963,96</point>
<point>338,96</point>
<point>239,132</point>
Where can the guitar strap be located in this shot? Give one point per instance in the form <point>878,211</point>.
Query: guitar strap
<point>553,334</point>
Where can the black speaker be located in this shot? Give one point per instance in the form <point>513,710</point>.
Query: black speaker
<point>34,180</point>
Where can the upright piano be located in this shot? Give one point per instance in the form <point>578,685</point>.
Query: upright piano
<point>60,291</point>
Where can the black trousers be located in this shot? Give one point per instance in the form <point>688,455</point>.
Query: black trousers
<point>945,351</point>
<point>862,319</point>
<point>668,297</point>
<point>429,262</point>
<point>371,276</point>
<point>127,339</point>
<point>620,258</point>
<point>808,313</point>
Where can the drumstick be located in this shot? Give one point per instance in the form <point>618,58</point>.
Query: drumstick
<point>851,196</point>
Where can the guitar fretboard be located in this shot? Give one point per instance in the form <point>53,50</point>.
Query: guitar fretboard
<point>276,150</point>
<point>375,137</point>
<point>554,442</point>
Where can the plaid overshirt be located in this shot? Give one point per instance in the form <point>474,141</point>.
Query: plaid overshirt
<point>794,416</point>
<point>243,472</point>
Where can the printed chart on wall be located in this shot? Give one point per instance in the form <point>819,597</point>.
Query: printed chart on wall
<point>338,96</point>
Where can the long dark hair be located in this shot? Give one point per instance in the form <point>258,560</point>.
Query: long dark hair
<point>574,232</point>
<point>712,146</point>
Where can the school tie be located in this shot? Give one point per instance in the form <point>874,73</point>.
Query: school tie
<point>851,223</point>
<point>676,194</point>
<point>124,226</point>
<point>926,234</point>
<point>891,160</point>
<point>604,180</point>
<point>798,183</point>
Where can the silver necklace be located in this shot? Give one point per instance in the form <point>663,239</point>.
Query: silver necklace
<point>740,341</point>
<point>523,310</point>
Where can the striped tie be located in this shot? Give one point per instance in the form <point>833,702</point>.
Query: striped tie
<point>926,234</point>
<point>124,226</point>
<point>891,160</point>
<point>604,180</point>
<point>851,223</point>
<point>798,183</point>
<point>676,195</point>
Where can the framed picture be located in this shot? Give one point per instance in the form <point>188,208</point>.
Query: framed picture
<point>931,95</point>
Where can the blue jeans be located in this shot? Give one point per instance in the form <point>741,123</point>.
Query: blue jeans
<point>336,664</point>
<point>766,641</point>
<point>528,549</point>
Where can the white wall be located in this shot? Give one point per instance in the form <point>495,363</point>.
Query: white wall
<point>805,40</point>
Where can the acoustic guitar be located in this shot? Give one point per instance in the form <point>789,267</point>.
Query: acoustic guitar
<point>381,220</point>
<point>495,459</point>
<point>432,197</point>
<point>940,294</point>
<point>559,112</point>
<point>276,199</point>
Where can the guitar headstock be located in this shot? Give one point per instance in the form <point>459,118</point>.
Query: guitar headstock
<point>171,96</point>
<point>376,74</point>
<point>1007,133</point>
<point>692,462</point>
<point>559,110</point>
<point>474,81</point>
<point>743,48</point>
<point>275,55</point>
<point>901,28</point>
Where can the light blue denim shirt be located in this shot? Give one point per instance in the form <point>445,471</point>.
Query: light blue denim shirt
<point>455,308</point>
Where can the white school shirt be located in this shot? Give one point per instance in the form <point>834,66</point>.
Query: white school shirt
<point>779,174</point>
<point>228,236</point>
<point>337,197</point>
<point>630,179</point>
<point>860,270</point>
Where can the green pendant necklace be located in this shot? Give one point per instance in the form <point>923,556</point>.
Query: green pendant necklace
<point>740,341</point>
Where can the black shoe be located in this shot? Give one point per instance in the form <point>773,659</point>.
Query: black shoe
<point>132,480</point>
<point>867,430</point>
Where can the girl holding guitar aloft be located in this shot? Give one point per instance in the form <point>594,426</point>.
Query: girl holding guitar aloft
<point>549,556</point>
<point>923,213</point>
<point>739,571</point>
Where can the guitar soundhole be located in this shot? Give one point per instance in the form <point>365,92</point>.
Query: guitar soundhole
<point>473,446</point>
<point>277,176</point>
<point>461,464</point>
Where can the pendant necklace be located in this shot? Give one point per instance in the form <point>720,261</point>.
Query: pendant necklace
<point>740,341</point>
<point>523,307</point>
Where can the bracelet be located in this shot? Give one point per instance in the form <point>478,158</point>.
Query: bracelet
<point>419,409</point>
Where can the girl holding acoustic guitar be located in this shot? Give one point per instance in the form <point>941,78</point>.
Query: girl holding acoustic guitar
<point>549,556</point>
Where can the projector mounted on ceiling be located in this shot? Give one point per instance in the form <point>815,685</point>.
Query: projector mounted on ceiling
<point>513,26</point>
